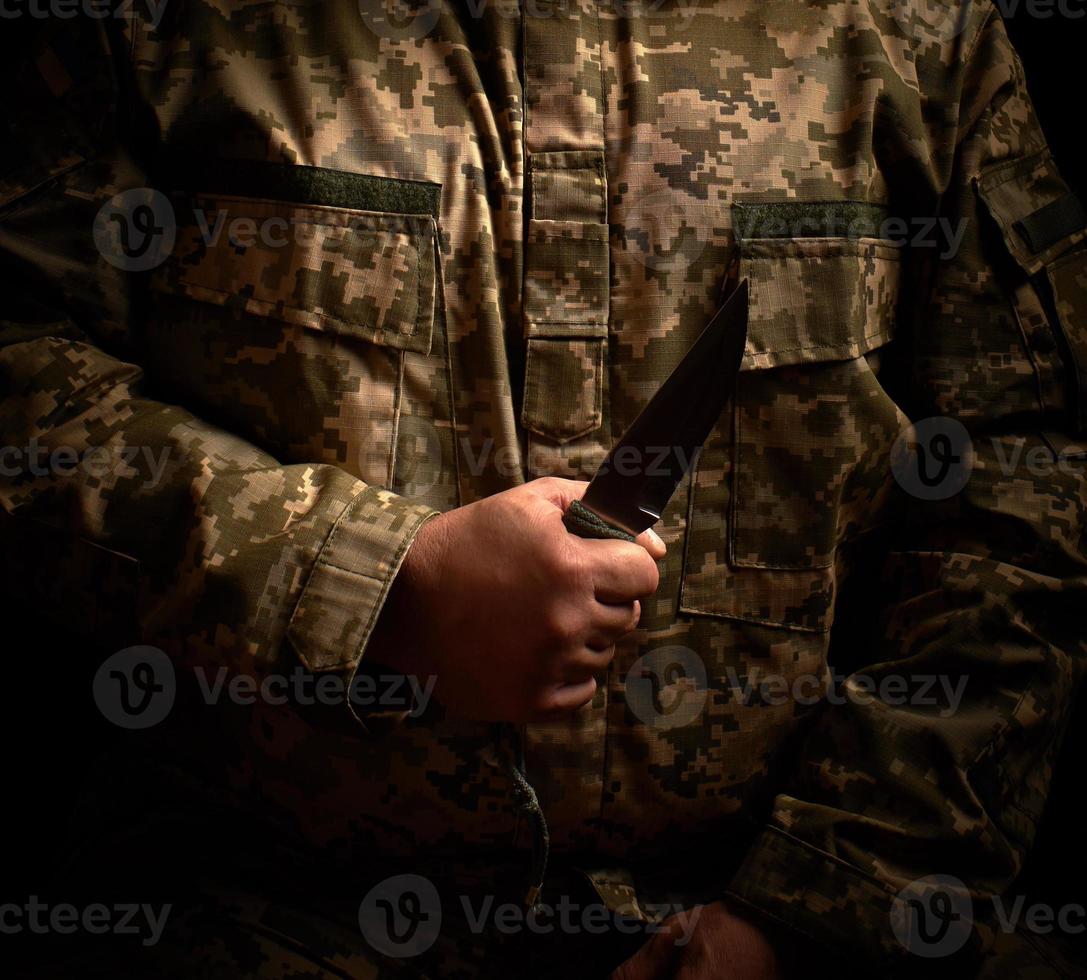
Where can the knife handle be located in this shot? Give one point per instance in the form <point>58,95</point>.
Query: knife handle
<point>585,523</point>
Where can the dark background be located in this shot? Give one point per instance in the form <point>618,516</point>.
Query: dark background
<point>1054,53</point>
<point>51,731</point>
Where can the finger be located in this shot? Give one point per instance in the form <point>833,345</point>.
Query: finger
<point>565,699</point>
<point>586,663</point>
<point>651,541</point>
<point>611,621</point>
<point>621,571</point>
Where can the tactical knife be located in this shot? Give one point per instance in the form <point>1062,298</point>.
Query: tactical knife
<point>638,477</point>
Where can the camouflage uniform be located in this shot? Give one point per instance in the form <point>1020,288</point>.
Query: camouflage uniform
<point>485,234</point>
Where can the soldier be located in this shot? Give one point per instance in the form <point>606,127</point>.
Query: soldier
<point>317,319</point>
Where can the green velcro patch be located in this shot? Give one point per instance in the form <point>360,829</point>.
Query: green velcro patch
<point>1049,225</point>
<point>584,523</point>
<point>305,185</point>
<point>808,219</point>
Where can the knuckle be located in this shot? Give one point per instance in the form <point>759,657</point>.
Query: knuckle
<point>556,569</point>
<point>606,656</point>
<point>590,693</point>
<point>563,563</point>
<point>555,702</point>
<point>547,483</point>
<point>548,704</point>
<point>561,627</point>
<point>641,569</point>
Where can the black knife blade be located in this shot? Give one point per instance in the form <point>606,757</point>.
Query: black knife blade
<point>638,477</point>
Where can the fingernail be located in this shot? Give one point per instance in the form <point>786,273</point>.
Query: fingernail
<point>656,538</point>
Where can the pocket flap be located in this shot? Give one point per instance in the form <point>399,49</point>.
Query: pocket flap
<point>1039,217</point>
<point>818,299</point>
<point>364,274</point>
<point>564,379</point>
<point>566,279</point>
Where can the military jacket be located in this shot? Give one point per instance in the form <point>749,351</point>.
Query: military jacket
<point>297,277</point>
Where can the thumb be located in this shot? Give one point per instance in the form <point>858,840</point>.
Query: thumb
<point>558,491</point>
<point>562,493</point>
<point>651,541</point>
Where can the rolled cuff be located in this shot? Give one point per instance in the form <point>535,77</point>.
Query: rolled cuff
<point>350,579</point>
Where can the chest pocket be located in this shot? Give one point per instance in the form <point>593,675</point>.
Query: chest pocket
<point>805,465</point>
<point>306,315</point>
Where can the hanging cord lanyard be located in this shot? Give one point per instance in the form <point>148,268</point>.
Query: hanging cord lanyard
<point>510,740</point>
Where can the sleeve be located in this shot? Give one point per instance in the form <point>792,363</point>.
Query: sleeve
<point>903,824</point>
<point>129,516</point>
